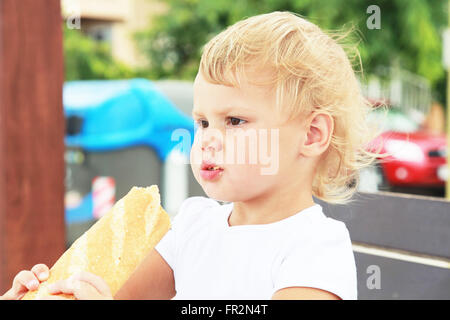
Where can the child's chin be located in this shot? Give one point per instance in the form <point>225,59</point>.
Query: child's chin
<point>216,194</point>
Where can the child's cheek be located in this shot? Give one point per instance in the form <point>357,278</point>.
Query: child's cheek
<point>244,174</point>
<point>196,152</point>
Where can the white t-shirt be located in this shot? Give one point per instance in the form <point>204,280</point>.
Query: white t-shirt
<point>212,260</point>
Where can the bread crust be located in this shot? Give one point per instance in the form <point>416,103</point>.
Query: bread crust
<point>115,245</point>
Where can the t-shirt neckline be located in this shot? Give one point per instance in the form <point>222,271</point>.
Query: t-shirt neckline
<point>228,208</point>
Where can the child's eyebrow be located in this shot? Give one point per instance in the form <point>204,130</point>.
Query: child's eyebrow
<point>195,113</point>
<point>224,111</point>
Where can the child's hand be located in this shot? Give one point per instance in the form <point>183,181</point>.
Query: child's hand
<point>83,285</point>
<point>25,281</point>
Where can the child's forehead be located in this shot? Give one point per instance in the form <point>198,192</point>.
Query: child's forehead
<point>254,73</point>
<point>223,98</point>
<point>223,109</point>
<point>248,83</point>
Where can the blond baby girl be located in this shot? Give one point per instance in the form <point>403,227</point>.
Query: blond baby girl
<point>279,82</point>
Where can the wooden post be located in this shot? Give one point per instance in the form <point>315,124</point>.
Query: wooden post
<point>31,136</point>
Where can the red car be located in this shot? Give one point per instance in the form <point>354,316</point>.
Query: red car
<point>415,158</point>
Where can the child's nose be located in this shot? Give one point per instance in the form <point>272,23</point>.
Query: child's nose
<point>212,142</point>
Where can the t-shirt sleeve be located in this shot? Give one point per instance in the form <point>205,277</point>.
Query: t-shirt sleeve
<point>167,246</point>
<point>324,261</point>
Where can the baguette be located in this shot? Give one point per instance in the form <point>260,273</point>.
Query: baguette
<point>115,245</point>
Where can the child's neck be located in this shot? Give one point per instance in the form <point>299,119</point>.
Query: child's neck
<point>269,208</point>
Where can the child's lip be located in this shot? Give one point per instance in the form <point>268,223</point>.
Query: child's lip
<point>207,165</point>
<point>210,174</point>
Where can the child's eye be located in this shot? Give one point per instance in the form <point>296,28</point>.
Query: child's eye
<point>202,123</point>
<point>236,121</point>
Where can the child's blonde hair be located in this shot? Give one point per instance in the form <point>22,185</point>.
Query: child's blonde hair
<point>311,72</point>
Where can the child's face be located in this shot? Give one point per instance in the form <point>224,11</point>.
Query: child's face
<point>240,131</point>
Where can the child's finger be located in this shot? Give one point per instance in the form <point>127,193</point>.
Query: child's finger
<point>52,297</point>
<point>85,291</point>
<point>80,289</point>
<point>41,271</point>
<point>25,279</point>
<point>97,282</point>
<point>61,286</point>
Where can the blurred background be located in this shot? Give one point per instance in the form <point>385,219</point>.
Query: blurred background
<point>129,67</point>
<point>402,60</point>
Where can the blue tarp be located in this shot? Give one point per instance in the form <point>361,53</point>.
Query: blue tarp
<point>82,212</point>
<point>117,114</point>
<point>123,113</point>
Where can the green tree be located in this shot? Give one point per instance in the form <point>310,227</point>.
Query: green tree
<point>410,33</point>
<point>86,59</point>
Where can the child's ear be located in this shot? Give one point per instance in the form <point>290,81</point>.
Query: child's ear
<point>319,128</point>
